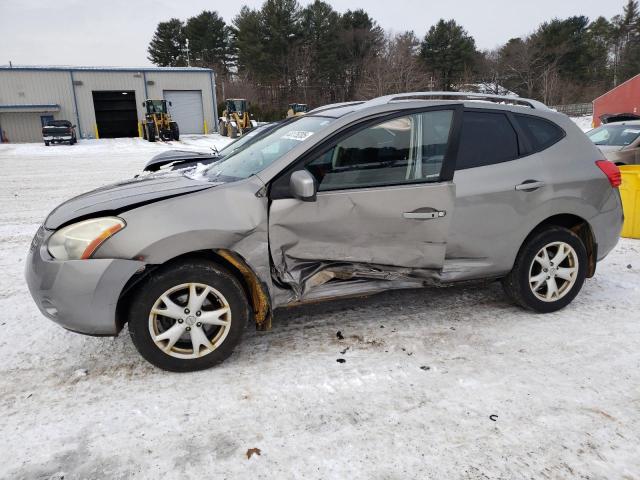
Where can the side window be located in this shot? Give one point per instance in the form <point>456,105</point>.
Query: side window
<point>402,150</point>
<point>542,133</point>
<point>486,139</point>
<point>45,119</point>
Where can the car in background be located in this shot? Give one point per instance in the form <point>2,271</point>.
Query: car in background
<point>59,131</point>
<point>619,141</point>
<point>181,159</point>
<point>618,117</point>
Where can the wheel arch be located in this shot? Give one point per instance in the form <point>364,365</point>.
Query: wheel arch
<point>577,225</point>
<point>256,291</point>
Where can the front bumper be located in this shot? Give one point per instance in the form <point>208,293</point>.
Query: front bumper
<point>80,295</point>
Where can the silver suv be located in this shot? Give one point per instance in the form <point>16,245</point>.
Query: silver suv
<point>397,192</point>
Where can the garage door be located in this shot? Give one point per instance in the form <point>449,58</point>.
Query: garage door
<point>116,113</point>
<point>186,109</point>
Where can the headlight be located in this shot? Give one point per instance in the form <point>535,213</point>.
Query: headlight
<point>80,240</point>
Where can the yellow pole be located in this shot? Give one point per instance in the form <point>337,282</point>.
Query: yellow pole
<point>206,130</point>
<point>95,129</point>
<point>140,129</point>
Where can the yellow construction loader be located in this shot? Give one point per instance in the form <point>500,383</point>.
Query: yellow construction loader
<point>297,109</point>
<point>235,119</point>
<point>157,122</point>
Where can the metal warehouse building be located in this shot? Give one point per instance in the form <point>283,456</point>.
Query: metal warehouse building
<point>102,102</point>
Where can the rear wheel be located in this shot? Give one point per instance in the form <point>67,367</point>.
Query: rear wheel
<point>232,131</point>
<point>188,317</point>
<point>222,128</point>
<point>549,271</point>
<point>46,144</point>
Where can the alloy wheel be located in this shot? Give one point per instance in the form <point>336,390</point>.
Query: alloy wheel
<point>553,271</point>
<point>190,320</point>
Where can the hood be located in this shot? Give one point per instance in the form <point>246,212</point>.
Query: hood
<point>115,198</point>
<point>178,156</point>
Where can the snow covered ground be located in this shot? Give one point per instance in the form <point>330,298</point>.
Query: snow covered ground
<point>584,122</point>
<point>448,383</point>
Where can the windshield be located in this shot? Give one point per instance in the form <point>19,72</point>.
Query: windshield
<point>155,106</point>
<point>258,155</point>
<point>242,141</point>
<point>614,135</point>
<point>236,105</point>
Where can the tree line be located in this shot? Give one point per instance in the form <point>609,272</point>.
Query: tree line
<point>283,53</point>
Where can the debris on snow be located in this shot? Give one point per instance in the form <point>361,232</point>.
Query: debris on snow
<point>253,451</point>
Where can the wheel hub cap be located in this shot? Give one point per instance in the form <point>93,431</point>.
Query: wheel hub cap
<point>190,320</point>
<point>553,271</point>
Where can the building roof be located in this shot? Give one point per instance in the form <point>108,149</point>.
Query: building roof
<point>71,68</point>
<point>30,107</point>
<point>635,77</point>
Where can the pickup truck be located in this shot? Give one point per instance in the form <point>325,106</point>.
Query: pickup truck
<point>59,131</point>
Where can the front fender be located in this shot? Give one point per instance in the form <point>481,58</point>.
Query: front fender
<point>232,216</point>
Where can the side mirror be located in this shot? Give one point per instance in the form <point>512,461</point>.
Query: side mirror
<point>303,186</point>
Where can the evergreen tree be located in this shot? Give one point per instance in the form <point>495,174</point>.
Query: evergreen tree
<point>629,42</point>
<point>248,43</point>
<point>361,38</point>
<point>208,37</point>
<point>167,47</point>
<point>321,45</point>
<point>280,21</point>
<point>448,51</point>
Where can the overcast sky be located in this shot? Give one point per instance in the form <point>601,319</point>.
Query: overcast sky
<point>117,32</point>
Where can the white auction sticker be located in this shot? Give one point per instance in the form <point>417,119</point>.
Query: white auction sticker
<point>299,135</point>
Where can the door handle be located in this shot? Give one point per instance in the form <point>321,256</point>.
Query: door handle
<point>424,215</point>
<point>530,185</point>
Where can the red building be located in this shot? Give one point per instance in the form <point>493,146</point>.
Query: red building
<point>625,98</point>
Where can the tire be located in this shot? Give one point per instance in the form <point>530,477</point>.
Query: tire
<point>175,131</point>
<point>173,283</point>
<point>532,280</point>
<point>46,144</point>
<point>222,128</point>
<point>144,132</point>
<point>151,132</point>
<point>232,131</point>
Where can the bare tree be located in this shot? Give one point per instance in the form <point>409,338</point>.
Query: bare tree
<point>396,68</point>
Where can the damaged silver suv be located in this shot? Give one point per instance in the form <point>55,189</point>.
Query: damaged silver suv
<point>397,192</point>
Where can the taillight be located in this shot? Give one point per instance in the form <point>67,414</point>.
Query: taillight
<point>612,172</point>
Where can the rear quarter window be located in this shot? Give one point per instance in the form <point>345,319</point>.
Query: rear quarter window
<point>540,132</point>
<point>487,138</point>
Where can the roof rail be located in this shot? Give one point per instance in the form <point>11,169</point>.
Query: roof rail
<point>526,102</point>
<point>331,106</point>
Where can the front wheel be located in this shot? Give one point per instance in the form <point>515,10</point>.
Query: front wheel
<point>188,317</point>
<point>151,132</point>
<point>175,131</point>
<point>549,271</point>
